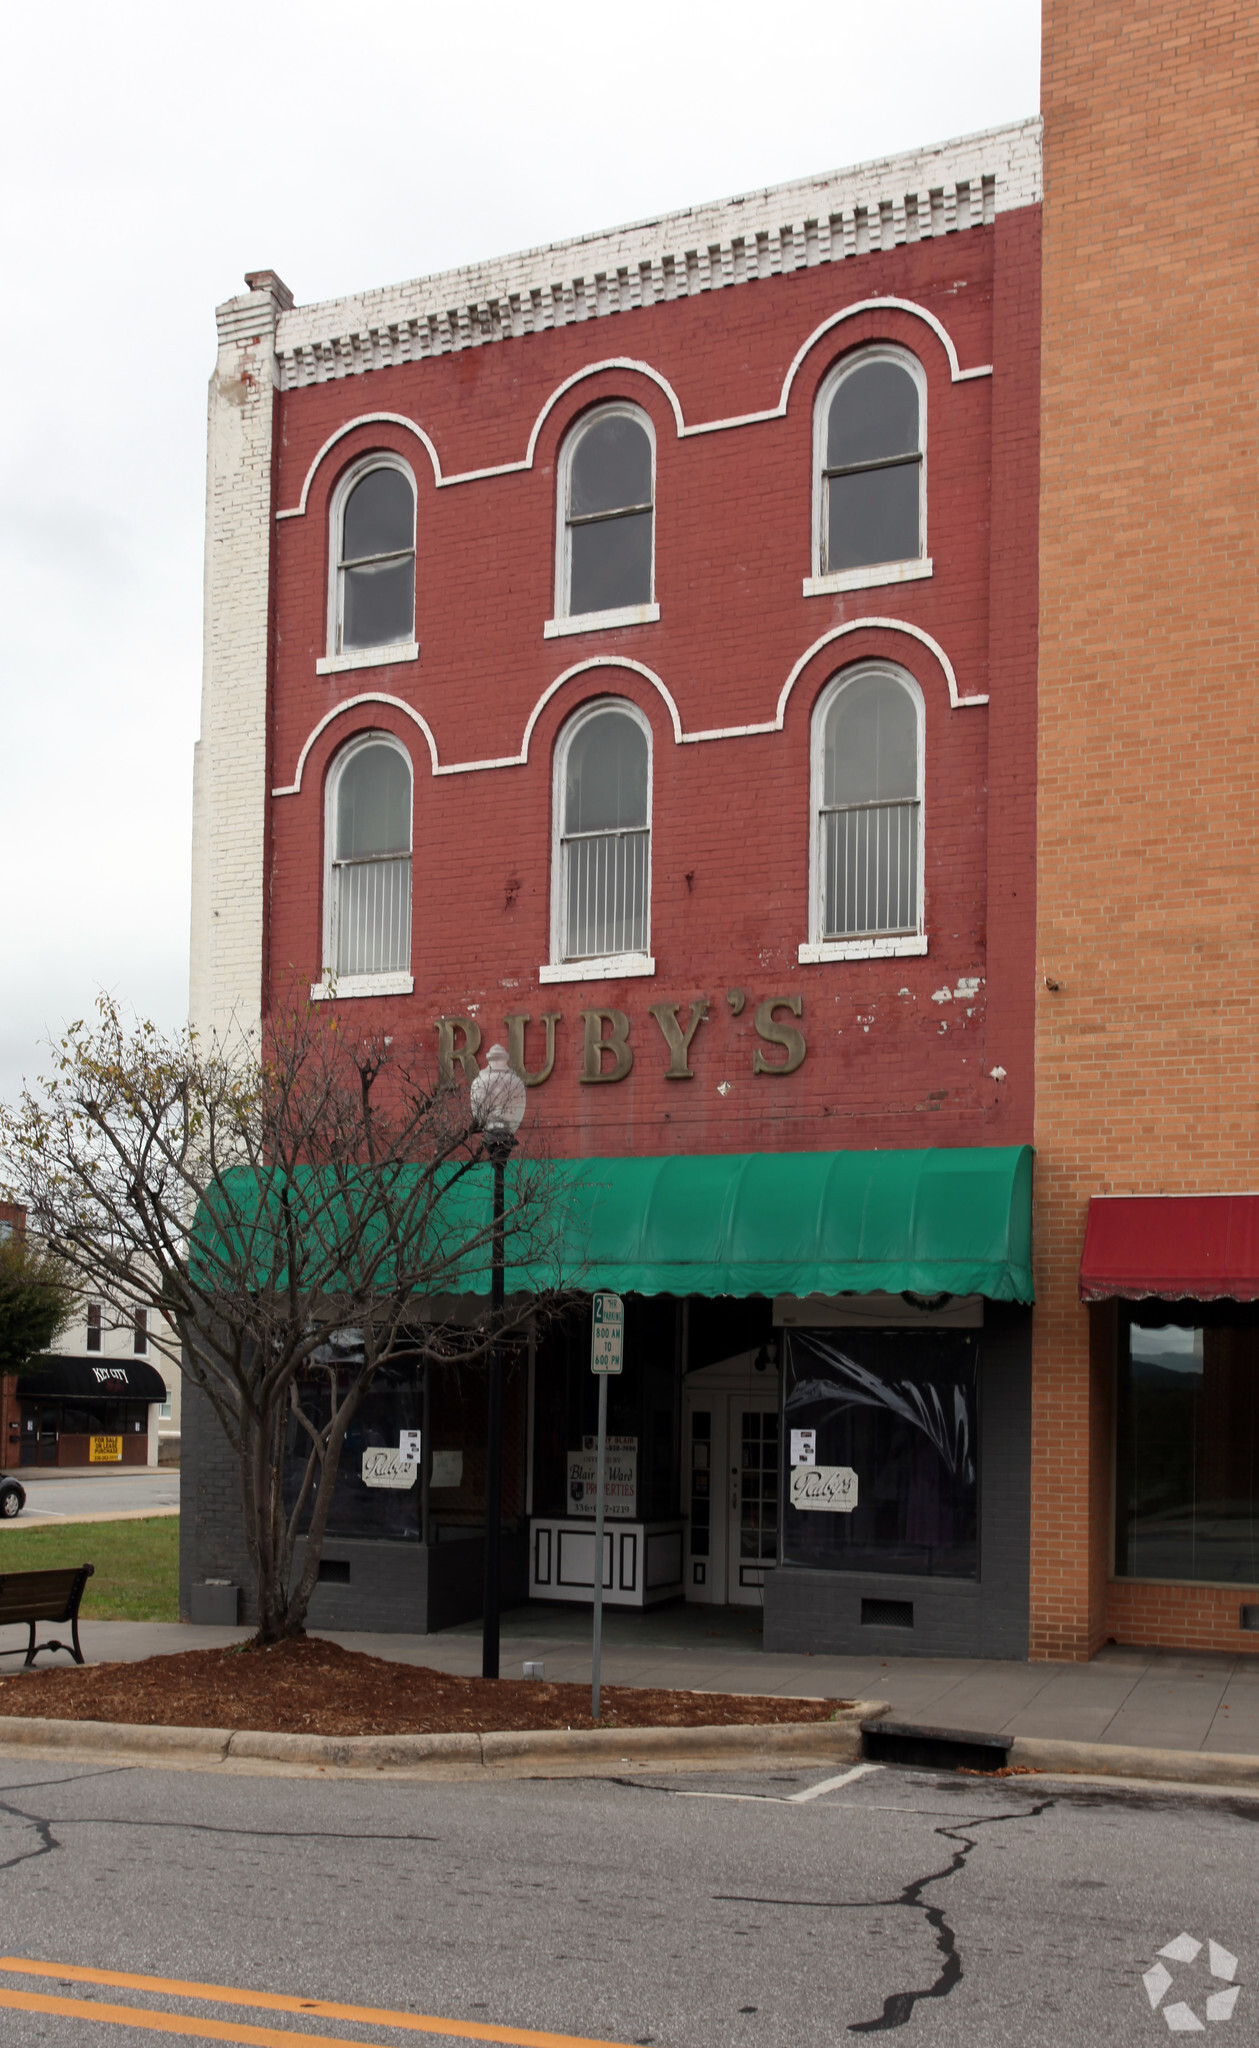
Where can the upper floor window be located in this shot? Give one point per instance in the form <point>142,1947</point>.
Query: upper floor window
<point>870,471</point>
<point>367,883</point>
<point>140,1333</point>
<point>867,802</point>
<point>607,519</point>
<point>373,538</point>
<point>95,1326</point>
<point>602,856</point>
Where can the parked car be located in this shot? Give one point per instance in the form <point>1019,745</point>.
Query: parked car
<point>12,1498</point>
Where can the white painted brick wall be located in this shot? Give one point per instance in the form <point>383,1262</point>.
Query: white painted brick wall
<point>229,780</point>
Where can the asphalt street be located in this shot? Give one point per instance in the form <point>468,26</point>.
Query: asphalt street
<point>681,1911</point>
<point>56,1496</point>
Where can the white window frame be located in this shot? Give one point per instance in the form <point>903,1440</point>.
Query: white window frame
<point>875,946</point>
<point>824,583</point>
<point>335,662</point>
<point>565,620</point>
<point>334,987</point>
<point>607,966</point>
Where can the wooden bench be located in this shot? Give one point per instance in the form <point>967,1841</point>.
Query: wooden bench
<point>44,1596</point>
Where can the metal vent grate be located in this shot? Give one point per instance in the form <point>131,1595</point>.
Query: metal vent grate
<point>887,1614</point>
<point>334,1571</point>
<point>1249,1618</point>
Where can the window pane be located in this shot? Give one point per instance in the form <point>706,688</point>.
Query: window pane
<point>607,895</point>
<point>374,803</point>
<point>378,604</point>
<point>611,467</point>
<point>872,517</point>
<point>900,1409</point>
<point>873,414</point>
<point>374,917</point>
<point>611,564</point>
<point>605,781</point>
<point>379,516</point>
<point>871,747</point>
<point>1187,1465</point>
<point>870,870</point>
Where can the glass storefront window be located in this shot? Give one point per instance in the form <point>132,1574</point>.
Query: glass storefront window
<point>899,1409</point>
<point>1187,1453</point>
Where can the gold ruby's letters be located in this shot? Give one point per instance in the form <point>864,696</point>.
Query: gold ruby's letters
<point>607,1054</point>
<point>596,1044</point>
<point>677,1040</point>
<point>779,1034</point>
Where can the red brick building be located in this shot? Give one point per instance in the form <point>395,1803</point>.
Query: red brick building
<point>627,653</point>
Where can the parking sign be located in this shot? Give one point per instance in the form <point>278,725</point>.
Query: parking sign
<point>607,1336</point>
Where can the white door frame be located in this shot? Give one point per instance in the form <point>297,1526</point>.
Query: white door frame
<point>716,1390</point>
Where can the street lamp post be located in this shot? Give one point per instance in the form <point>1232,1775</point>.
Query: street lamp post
<point>498,1104</point>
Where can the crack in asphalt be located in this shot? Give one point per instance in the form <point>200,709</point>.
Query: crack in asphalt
<point>898,2006</point>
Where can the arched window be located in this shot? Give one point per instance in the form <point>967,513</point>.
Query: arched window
<point>602,860</point>
<point>607,499</point>
<point>368,872</point>
<point>870,441</point>
<point>373,551</point>
<point>867,805</point>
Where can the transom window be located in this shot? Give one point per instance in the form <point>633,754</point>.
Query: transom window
<point>867,781</point>
<point>603,855</point>
<point>374,550</point>
<point>608,499</point>
<point>870,487</point>
<point>368,884</point>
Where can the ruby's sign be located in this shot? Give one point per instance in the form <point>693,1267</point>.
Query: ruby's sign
<point>607,1046</point>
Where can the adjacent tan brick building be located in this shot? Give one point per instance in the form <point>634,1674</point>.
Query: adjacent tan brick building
<point>1148,843</point>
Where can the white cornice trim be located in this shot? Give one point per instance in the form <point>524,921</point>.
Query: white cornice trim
<point>825,219</point>
<point>638,668</point>
<point>638,368</point>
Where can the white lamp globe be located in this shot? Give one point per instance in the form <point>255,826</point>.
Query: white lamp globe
<point>498,1094</point>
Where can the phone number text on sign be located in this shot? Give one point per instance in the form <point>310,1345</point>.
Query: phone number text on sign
<point>830,1489</point>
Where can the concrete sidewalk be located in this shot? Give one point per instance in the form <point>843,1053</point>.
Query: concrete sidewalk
<point>1156,1699</point>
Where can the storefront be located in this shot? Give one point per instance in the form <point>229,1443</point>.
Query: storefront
<point>1172,1284</point>
<point>86,1411</point>
<point>824,1412</point>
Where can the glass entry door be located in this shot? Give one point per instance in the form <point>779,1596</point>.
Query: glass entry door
<point>754,1468</point>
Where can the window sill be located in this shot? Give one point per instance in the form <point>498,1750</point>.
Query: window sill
<point>338,991</point>
<point>601,622</point>
<point>871,578</point>
<point>898,946</point>
<point>613,967</point>
<point>368,657</point>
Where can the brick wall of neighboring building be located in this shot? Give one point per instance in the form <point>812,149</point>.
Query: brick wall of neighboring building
<point>900,1050</point>
<point>1148,841</point>
<point>12,1218</point>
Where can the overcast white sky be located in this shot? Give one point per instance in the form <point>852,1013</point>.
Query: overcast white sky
<point>149,156</point>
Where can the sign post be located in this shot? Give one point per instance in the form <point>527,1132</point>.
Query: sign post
<point>607,1340</point>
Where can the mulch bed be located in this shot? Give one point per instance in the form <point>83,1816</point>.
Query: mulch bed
<point>313,1687</point>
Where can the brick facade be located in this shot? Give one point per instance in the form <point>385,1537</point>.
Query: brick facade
<point>1148,831</point>
<point>901,1050</point>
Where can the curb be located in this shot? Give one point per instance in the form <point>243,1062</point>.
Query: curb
<point>1121,1760</point>
<point>511,1752</point>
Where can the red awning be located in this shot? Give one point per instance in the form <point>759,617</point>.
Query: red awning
<point>1205,1247</point>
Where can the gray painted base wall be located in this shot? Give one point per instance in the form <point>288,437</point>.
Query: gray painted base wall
<point>820,1611</point>
<point>395,1588</point>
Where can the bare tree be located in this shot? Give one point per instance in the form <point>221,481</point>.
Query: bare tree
<point>265,1200</point>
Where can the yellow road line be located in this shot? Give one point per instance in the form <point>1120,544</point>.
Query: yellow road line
<point>259,2001</point>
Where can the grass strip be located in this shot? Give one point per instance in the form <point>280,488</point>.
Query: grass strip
<point>137,1564</point>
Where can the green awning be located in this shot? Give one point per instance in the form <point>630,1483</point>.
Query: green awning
<point>766,1223</point>
<point>807,1223</point>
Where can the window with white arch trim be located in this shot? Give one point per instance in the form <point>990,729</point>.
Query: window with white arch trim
<point>870,473</point>
<point>371,598</point>
<point>866,831</point>
<point>367,870</point>
<point>601,845</point>
<point>605,541</point>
